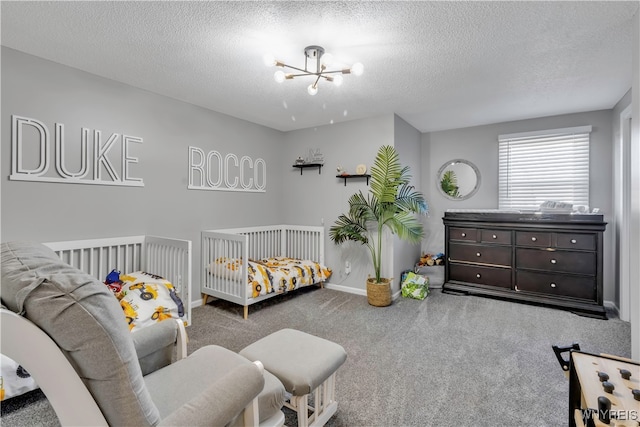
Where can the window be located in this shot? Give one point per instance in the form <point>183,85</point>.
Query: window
<point>548,165</point>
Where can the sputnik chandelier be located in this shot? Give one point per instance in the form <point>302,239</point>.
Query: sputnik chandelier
<point>322,61</point>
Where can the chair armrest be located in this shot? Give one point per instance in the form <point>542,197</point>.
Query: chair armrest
<point>222,402</point>
<point>181,341</point>
<point>154,344</point>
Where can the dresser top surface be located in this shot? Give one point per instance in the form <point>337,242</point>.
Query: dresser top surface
<point>494,215</point>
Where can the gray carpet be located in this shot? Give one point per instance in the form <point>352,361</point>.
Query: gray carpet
<point>446,361</point>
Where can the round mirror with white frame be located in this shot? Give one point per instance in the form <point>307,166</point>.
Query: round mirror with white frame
<point>458,179</point>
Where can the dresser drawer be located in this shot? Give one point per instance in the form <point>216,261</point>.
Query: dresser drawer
<point>464,234</point>
<point>485,254</point>
<point>557,285</point>
<point>479,274</point>
<point>495,236</point>
<point>538,239</point>
<point>576,241</point>
<point>557,261</point>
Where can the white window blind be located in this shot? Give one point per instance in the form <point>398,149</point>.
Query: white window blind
<point>535,167</point>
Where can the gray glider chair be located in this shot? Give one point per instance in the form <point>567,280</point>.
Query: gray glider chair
<point>70,334</point>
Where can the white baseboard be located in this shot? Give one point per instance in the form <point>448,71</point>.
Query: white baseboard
<point>347,289</point>
<point>355,291</point>
<point>612,305</point>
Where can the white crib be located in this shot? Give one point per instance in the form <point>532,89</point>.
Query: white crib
<point>242,244</point>
<point>163,256</point>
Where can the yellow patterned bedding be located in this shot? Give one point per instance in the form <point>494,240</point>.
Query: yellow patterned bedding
<point>269,275</point>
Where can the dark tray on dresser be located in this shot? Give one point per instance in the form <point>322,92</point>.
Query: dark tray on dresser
<point>549,259</point>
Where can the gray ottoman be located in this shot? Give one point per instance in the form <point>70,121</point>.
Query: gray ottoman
<point>306,365</point>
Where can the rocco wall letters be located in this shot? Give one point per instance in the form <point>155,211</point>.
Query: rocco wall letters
<point>212,171</point>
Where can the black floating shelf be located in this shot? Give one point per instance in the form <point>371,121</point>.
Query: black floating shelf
<point>346,177</point>
<point>309,165</point>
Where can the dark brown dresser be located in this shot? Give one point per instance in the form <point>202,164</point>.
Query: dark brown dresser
<point>549,259</point>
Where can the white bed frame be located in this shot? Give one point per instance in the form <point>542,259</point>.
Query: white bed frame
<point>303,242</point>
<point>163,256</point>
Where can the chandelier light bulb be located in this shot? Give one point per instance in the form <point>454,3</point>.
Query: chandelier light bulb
<point>337,80</point>
<point>269,60</point>
<point>327,59</point>
<point>279,76</point>
<point>357,69</point>
<point>312,89</point>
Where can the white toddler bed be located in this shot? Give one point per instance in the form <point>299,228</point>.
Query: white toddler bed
<point>161,256</point>
<point>289,256</point>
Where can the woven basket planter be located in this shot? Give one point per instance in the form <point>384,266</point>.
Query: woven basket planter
<point>379,294</point>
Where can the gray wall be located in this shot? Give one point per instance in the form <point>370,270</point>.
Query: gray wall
<point>480,146</point>
<point>408,145</point>
<point>52,93</point>
<point>617,183</point>
<point>316,198</point>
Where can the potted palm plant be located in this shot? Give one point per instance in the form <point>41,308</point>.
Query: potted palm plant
<point>392,204</point>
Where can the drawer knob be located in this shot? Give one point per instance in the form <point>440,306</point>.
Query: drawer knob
<point>553,261</point>
<point>478,275</point>
<point>494,236</point>
<point>574,241</point>
<point>477,253</point>
<point>553,285</point>
<point>533,239</point>
<point>464,234</point>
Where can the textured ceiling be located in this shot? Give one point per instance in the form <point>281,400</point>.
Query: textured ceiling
<point>438,65</point>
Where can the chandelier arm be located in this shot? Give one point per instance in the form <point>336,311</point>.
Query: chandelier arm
<point>310,73</point>
<point>345,71</point>
<point>315,84</point>
<point>301,75</point>
<point>296,68</point>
